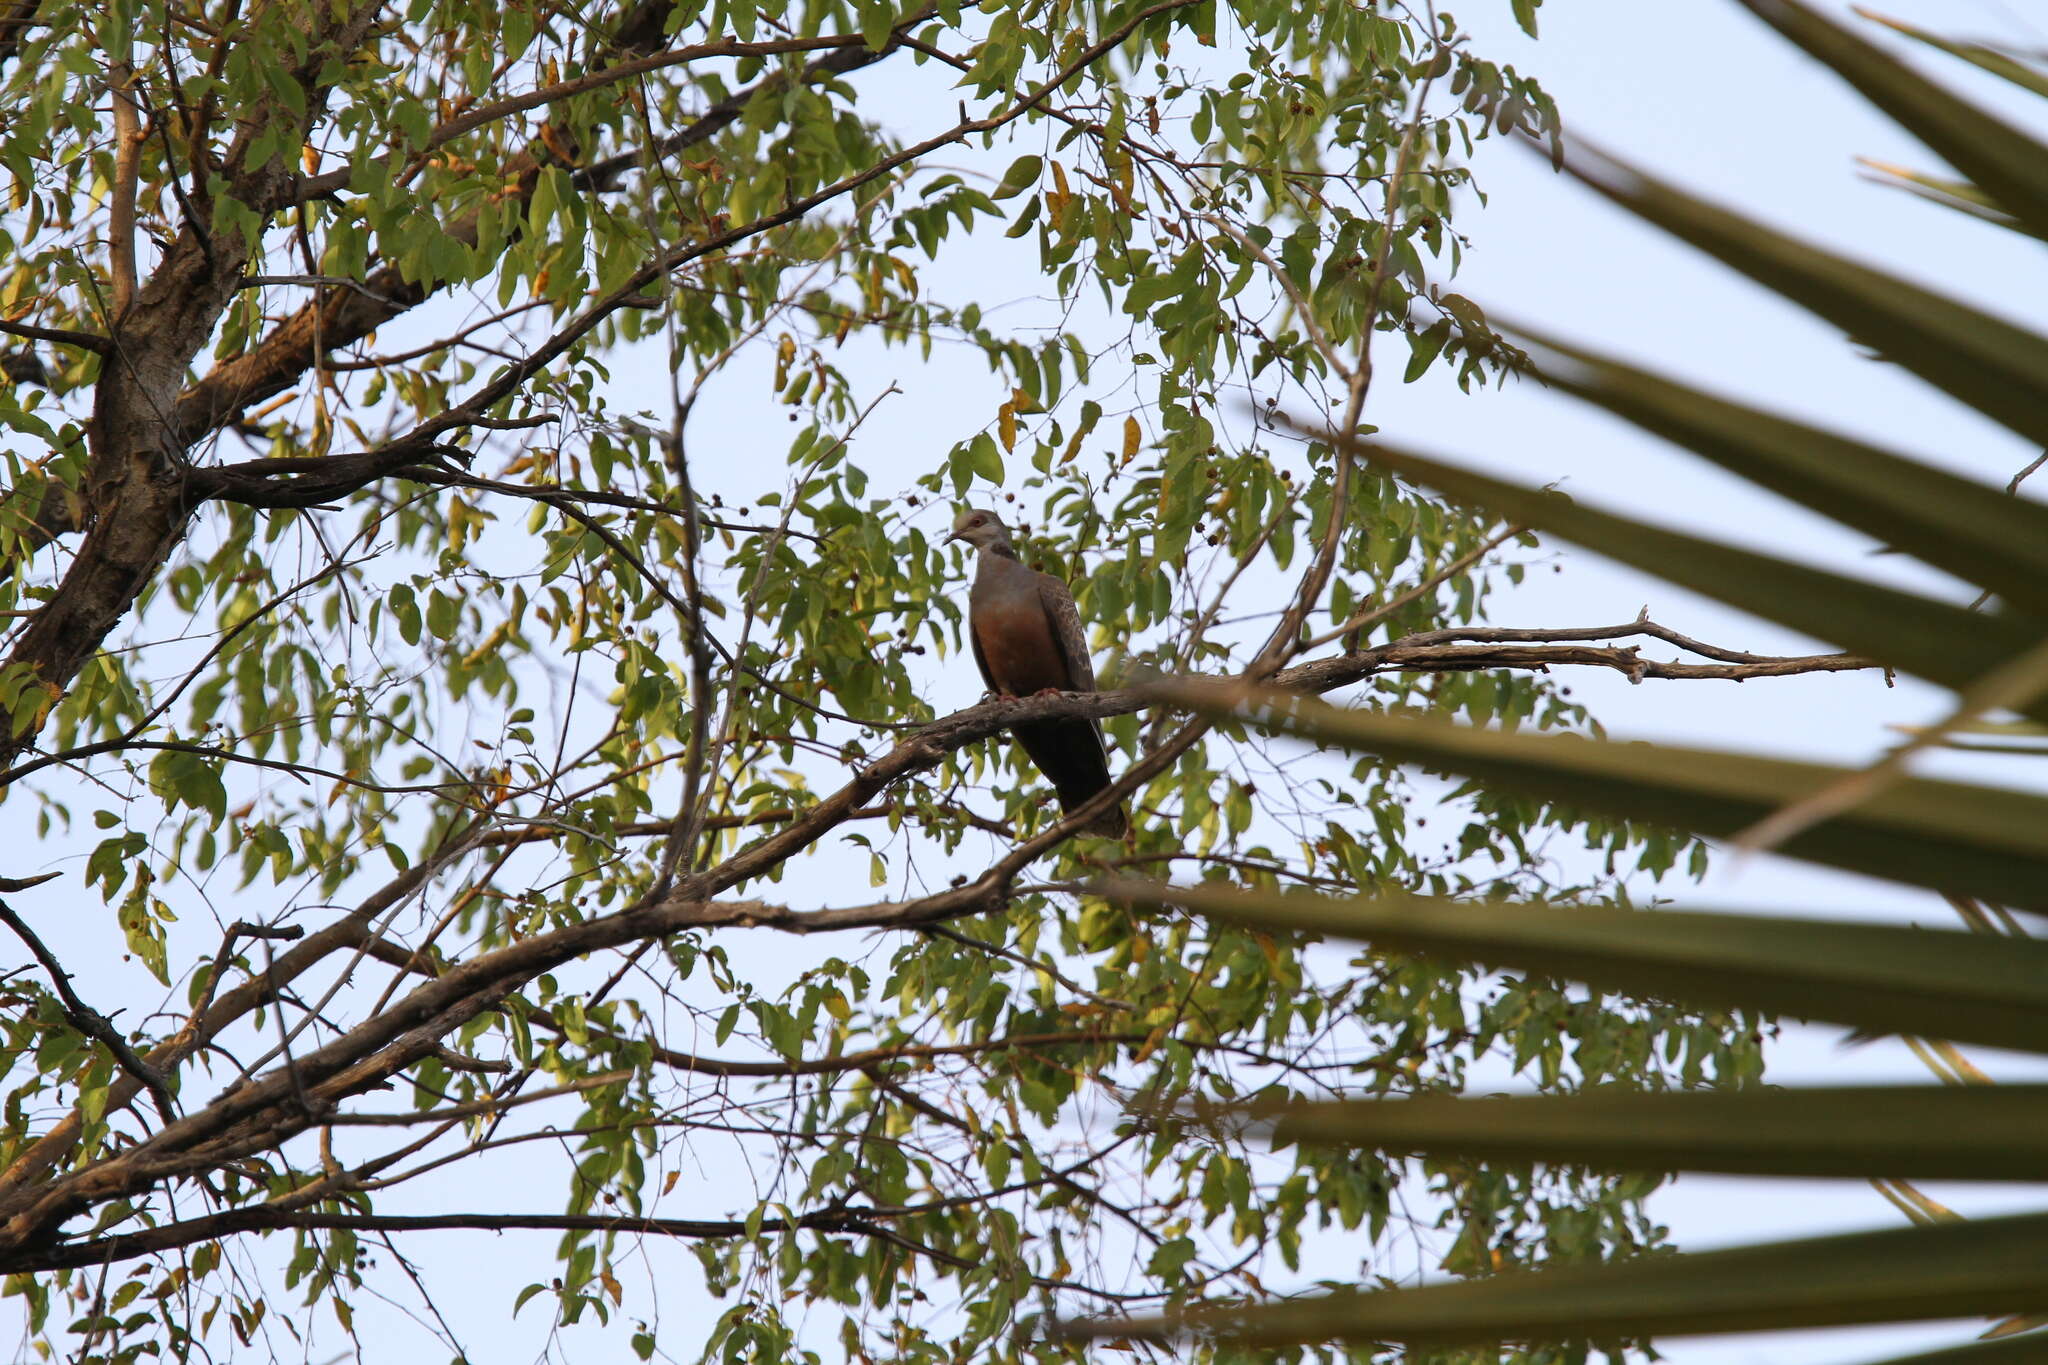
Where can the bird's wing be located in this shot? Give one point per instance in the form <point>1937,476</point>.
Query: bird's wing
<point>1065,617</point>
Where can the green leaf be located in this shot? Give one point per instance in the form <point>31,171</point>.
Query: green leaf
<point>987,461</point>
<point>1980,534</point>
<point>284,87</point>
<point>1977,1132</point>
<point>1961,987</point>
<point>1021,176</point>
<point>1940,1270</point>
<point>190,778</point>
<point>1170,1259</point>
<point>1919,635</point>
<point>1984,361</point>
<point>443,614</point>
<point>877,18</point>
<point>2003,161</point>
<point>1424,347</point>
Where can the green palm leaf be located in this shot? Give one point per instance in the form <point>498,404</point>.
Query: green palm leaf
<point>1919,635</point>
<point>1958,195</point>
<point>1987,842</point>
<point>1929,1132</point>
<point>1966,988</point>
<point>1943,1270</point>
<point>1994,366</point>
<point>1963,840</point>
<point>1980,534</point>
<point>2022,1350</point>
<point>2004,162</point>
<point>2004,65</point>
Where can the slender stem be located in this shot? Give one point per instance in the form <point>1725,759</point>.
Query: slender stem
<point>90,1021</point>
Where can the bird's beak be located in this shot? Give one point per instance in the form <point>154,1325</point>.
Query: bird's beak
<point>957,535</point>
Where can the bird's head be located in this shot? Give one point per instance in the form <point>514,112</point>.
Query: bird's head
<point>982,530</point>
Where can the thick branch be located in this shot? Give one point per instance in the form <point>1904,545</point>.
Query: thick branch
<point>133,487</point>
<point>17,17</point>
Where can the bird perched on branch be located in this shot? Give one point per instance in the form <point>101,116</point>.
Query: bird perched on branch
<point>1027,639</point>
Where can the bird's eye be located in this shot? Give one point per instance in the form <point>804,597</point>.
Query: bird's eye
<point>977,522</point>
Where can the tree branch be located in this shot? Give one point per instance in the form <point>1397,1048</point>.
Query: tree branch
<point>626,70</point>
<point>105,1250</point>
<point>926,747</point>
<point>61,336</point>
<point>17,17</point>
<point>127,174</point>
<point>207,1022</point>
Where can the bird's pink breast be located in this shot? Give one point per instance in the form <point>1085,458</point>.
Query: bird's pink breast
<point>1020,651</point>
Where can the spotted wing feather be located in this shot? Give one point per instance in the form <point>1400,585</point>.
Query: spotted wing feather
<point>1058,602</point>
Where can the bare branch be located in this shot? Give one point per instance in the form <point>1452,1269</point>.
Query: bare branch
<point>209,1020</point>
<point>1375,614</point>
<point>61,336</point>
<point>261,1218</point>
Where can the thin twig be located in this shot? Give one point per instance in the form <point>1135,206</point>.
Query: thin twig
<point>90,1021</point>
<point>2011,685</point>
<point>1374,615</point>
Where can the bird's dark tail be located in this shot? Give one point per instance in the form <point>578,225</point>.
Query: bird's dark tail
<point>1071,755</point>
